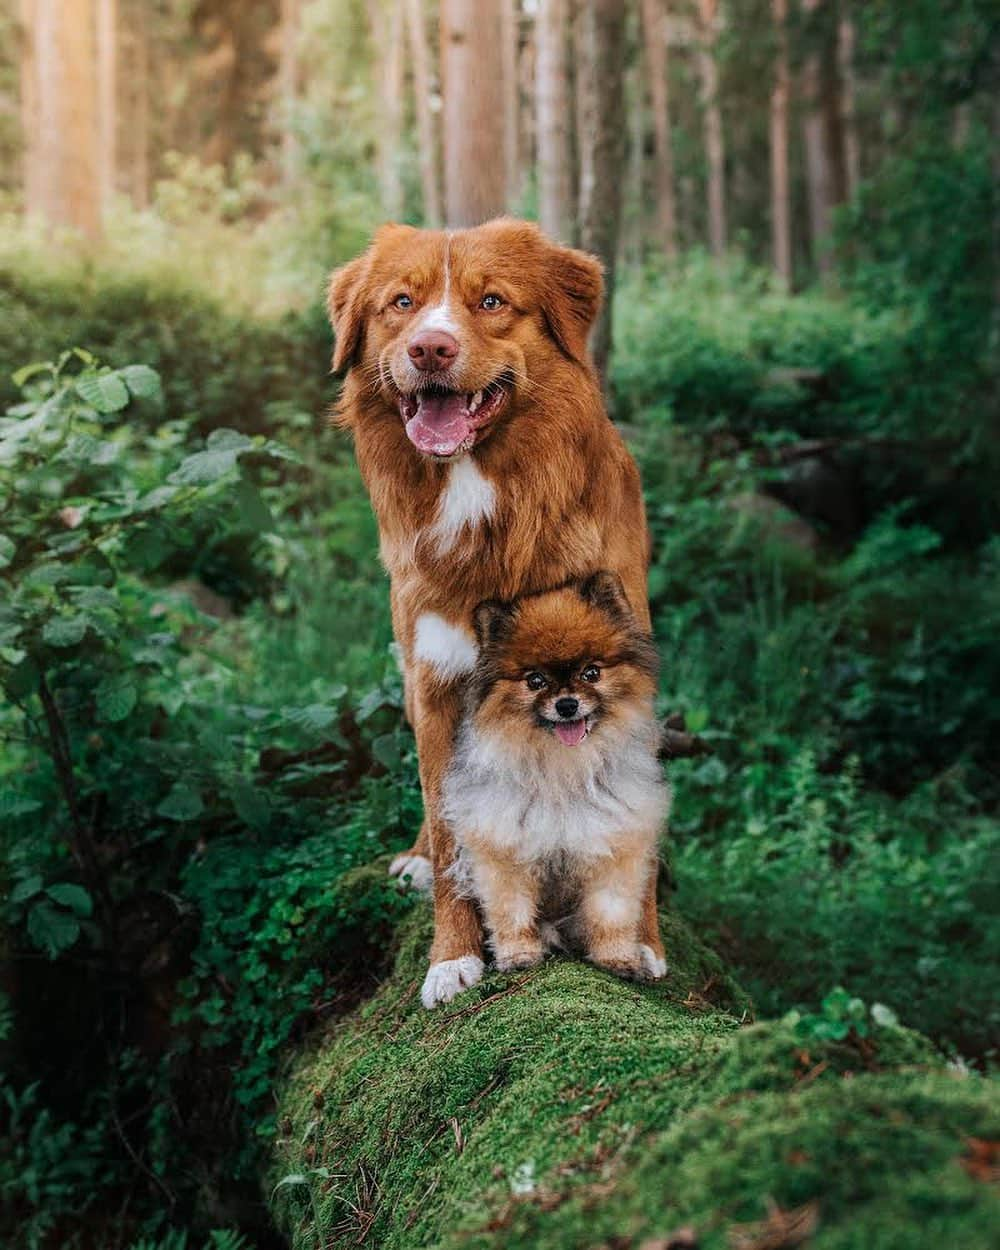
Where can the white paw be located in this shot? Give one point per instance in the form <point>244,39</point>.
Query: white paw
<point>652,965</point>
<point>449,977</point>
<point>417,868</point>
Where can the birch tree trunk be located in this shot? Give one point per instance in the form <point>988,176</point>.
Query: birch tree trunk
<point>553,125</point>
<point>715,153</point>
<point>426,131</point>
<point>107,101</point>
<point>473,118</point>
<point>781,230</point>
<point>288,77</point>
<point>655,36</point>
<point>600,60</point>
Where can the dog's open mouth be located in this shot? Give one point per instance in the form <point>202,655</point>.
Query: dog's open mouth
<point>444,423</point>
<point>571,732</point>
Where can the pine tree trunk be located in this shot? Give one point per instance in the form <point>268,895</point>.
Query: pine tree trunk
<point>385,19</point>
<point>553,133</point>
<point>426,130</point>
<point>510,58</point>
<point>107,101</point>
<point>62,174</point>
<point>473,118</point>
<point>655,37</point>
<point>288,76</point>
<point>848,117</point>
<point>819,175</point>
<point>600,68</point>
<point>781,229</point>
<point>715,153</point>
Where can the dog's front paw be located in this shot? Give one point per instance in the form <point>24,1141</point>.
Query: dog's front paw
<point>516,958</point>
<point>623,960</point>
<point>449,977</point>
<point>654,966</point>
<point>413,870</point>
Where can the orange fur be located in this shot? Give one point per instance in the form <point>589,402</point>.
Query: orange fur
<point>567,497</point>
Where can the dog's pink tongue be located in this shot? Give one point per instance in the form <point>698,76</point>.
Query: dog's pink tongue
<point>441,424</point>
<point>571,732</point>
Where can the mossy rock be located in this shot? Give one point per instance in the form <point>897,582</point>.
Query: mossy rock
<point>563,1109</point>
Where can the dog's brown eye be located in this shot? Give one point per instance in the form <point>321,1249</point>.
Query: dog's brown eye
<point>591,673</point>
<point>535,681</point>
<point>403,302</point>
<point>491,302</point>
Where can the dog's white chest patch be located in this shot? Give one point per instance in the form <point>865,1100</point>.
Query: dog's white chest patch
<point>449,649</point>
<point>468,499</point>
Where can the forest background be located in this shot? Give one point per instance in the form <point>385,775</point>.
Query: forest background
<point>201,735</point>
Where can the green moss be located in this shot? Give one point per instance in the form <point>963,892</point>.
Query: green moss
<point>564,1108</point>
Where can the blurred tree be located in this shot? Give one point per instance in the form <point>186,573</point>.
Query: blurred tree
<point>291,24</point>
<point>107,100</point>
<point>385,20</point>
<point>656,37</point>
<point>845,66</point>
<point>781,233</point>
<point>473,112</point>
<point>600,69</point>
<point>556,203</point>
<point>715,152</point>
<point>426,130</point>
<point>60,113</point>
<point>510,13</point>
<point>134,98</point>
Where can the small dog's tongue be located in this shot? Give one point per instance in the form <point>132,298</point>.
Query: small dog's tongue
<point>441,424</point>
<point>571,732</point>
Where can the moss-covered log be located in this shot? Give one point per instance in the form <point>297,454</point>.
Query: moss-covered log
<point>563,1108</point>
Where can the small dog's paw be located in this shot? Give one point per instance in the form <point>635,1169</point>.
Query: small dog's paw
<point>413,871</point>
<point>517,958</point>
<point>449,977</point>
<point>654,967</point>
<point>623,962</point>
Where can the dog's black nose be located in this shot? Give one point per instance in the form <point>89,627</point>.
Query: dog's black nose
<point>567,708</point>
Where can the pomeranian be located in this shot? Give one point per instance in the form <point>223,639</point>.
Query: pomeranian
<point>555,795</point>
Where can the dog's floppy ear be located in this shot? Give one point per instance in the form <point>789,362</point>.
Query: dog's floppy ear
<point>346,306</point>
<point>605,590</point>
<point>572,298</point>
<point>493,621</point>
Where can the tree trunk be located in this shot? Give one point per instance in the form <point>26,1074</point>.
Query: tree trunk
<point>426,130</point>
<point>385,20</point>
<point>29,75</point>
<point>819,175</point>
<point>473,119</point>
<point>848,117</point>
<point>288,76</point>
<point>553,128</point>
<point>137,95</point>
<point>655,37</point>
<point>510,13</point>
<point>781,229</point>
<point>107,101</point>
<point>600,61</point>
<point>715,153</point>
<point>62,179</point>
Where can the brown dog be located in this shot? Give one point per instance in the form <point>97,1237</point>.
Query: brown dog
<point>493,471</point>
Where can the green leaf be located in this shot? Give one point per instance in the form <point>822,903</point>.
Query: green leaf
<point>253,509</point>
<point>142,381</point>
<point>884,1017</point>
<point>75,897</point>
<point>315,718</point>
<point>28,371</point>
<point>64,631</point>
<point>228,440</point>
<point>386,750</point>
<point>182,803</point>
<point>251,804</point>
<point>12,804</point>
<point>116,697</point>
<point>52,929</point>
<point>26,888</point>
<point>204,468</point>
<point>7,549</point>
<point>104,391</point>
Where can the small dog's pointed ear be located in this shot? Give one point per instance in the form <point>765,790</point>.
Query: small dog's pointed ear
<point>572,298</point>
<point>492,620</point>
<point>605,590</point>
<point>346,306</point>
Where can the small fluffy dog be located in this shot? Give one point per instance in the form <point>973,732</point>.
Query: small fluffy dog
<point>555,793</point>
